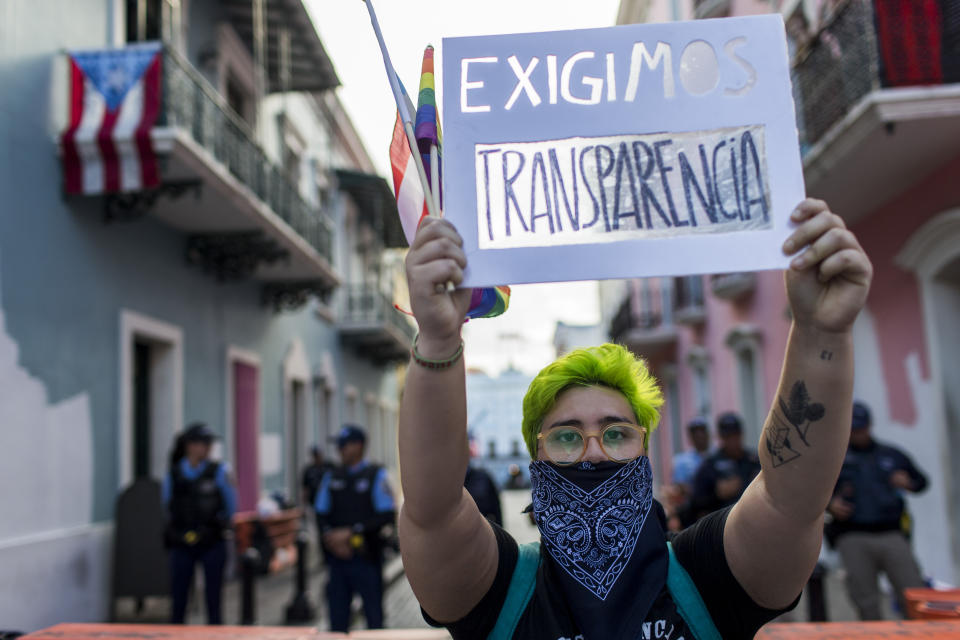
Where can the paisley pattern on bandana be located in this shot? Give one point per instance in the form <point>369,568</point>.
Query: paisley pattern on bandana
<point>592,534</point>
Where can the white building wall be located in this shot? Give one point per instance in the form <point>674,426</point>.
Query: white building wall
<point>53,562</point>
<point>308,122</point>
<point>922,441</point>
<point>54,576</point>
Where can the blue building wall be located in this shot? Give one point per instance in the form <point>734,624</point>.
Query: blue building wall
<point>65,275</point>
<point>65,278</point>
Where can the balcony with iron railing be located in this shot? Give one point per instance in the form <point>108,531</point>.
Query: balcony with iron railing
<point>246,217</point>
<point>878,99</point>
<point>688,299</point>
<point>644,322</point>
<point>372,325</point>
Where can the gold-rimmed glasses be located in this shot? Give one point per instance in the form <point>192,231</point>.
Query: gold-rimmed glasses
<point>567,444</point>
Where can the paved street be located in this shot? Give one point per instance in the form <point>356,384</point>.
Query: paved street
<point>402,611</point>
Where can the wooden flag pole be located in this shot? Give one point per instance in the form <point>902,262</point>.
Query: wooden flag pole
<point>435,176</point>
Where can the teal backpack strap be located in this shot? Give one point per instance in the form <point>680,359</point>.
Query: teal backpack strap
<point>689,603</point>
<point>519,592</point>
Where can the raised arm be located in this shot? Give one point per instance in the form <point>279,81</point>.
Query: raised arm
<point>449,550</point>
<point>773,534</point>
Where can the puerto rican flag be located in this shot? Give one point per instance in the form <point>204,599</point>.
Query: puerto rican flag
<point>115,98</point>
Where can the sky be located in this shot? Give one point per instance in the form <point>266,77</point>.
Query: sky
<point>523,337</point>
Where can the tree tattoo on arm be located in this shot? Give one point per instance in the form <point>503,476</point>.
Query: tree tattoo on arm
<point>795,415</point>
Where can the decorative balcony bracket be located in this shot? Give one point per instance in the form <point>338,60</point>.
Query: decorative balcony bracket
<point>131,205</point>
<point>733,286</point>
<point>290,296</point>
<point>233,256</point>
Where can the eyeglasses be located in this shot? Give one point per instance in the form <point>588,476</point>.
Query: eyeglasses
<point>620,442</point>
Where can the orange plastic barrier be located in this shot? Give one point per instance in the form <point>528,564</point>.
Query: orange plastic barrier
<point>901,630</point>
<point>74,631</point>
<point>400,634</point>
<point>928,604</point>
<point>196,632</point>
<point>282,527</point>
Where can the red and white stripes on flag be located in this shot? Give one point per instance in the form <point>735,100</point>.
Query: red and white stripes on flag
<point>411,203</point>
<point>115,98</point>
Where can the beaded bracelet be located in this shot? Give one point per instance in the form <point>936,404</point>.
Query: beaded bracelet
<point>435,364</point>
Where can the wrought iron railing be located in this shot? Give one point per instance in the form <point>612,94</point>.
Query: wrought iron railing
<point>191,104</point>
<point>835,70</point>
<point>648,307</point>
<point>366,305</point>
<point>688,292</point>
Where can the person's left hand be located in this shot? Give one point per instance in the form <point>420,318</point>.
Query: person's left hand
<point>900,479</point>
<point>827,284</point>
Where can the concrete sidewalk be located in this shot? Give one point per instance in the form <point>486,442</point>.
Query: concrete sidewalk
<point>274,593</point>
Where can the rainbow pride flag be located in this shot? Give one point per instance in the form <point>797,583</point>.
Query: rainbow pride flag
<point>488,302</point>
<point>426,127</point>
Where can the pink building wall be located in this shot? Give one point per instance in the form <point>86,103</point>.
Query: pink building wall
<point>894,365</point>
<point>894,300</point>
<point>765,309</point>
<point>894,303</point>
<point>895,297</point>
<point>749,7</point>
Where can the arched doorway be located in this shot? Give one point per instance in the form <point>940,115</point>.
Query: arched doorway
<point>933,253</point>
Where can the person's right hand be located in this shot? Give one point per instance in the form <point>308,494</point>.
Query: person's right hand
<point>436,258</point>
<point>337,541</point>
<point>840,508</point>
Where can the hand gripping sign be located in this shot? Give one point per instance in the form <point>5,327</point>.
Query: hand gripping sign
<point>640,150</point>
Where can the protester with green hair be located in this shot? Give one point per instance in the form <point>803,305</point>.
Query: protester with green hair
<point>609,365</point>
<point>604,567</point>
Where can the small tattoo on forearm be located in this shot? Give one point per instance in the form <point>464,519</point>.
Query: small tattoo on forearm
<point>799,412</point>
<point>778,442</point>
<point>826,355</point>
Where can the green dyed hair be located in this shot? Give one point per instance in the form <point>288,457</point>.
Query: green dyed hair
<point>609,365</point>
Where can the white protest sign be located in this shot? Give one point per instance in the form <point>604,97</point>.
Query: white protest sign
<point>641,150</point>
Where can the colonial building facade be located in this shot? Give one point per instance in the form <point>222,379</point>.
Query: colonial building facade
<point>877,91</point>
<point>250,287</point>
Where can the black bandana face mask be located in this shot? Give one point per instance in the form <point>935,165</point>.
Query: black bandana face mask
<point>605,546</point>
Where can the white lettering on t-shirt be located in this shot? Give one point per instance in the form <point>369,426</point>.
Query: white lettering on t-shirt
<point>658,630</point>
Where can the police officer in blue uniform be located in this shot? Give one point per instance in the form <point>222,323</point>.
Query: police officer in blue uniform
<point>200,501</point>
<point>354,505</point>
<point>686,463</point>
<point>725,474</point>
<point>870,525</point>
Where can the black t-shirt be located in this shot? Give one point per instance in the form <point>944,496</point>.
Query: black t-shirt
<point>699,549</point>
